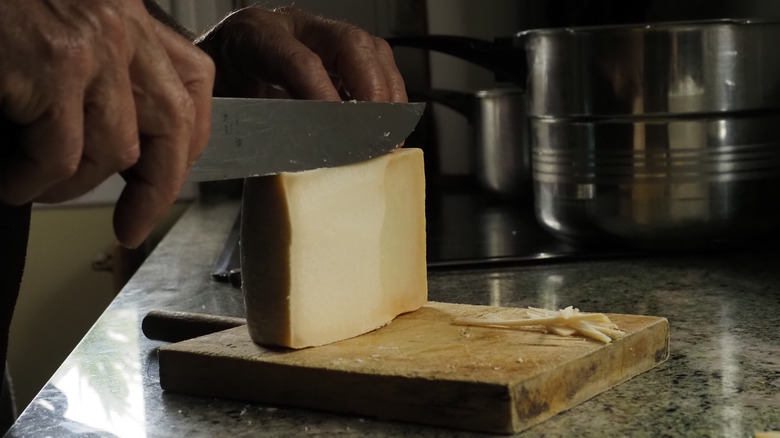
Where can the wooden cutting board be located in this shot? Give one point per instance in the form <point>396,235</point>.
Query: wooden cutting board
<point>422,368</point>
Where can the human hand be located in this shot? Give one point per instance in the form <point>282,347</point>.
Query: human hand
<point>258,51</point>
<point>89,88</point>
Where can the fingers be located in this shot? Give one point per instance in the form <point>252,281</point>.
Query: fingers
<point>301,73</point>
<point>72,105</point>
<point>393,77</point>
<point>173,105</point>
<point>367,69</point>
<point>46,151</point>
<point>364,64</point>
<point>110,131</point>
<point>289,63</point>
<point>196,71</point>
<point>358,68</point>
<point>45,142</point>
<point>257,52</point>
<point>92,87</point>
<point>310,57</point>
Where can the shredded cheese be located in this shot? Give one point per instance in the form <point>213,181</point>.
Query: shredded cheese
<point>565,322</point>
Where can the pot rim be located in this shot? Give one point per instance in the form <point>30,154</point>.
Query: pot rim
<point>651,27</point>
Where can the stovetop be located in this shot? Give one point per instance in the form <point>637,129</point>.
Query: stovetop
<point>468,227</point>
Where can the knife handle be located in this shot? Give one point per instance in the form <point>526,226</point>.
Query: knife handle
<point>171,326</point>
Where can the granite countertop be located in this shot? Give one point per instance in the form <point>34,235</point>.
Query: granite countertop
<point>722,379</point>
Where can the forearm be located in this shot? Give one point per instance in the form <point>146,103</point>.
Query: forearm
<point>163,17</point>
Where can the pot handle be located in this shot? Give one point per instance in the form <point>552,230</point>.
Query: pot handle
<point>502,56</point>
<point>459,101</point>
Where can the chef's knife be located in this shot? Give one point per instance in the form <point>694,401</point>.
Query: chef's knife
<point>255,137</point>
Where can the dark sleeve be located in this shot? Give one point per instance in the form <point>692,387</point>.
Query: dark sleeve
<point>14,229</point>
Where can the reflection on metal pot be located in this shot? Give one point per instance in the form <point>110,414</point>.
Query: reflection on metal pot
<point>668,183</point>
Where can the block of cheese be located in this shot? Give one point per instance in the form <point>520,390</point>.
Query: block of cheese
<point>329,254</point>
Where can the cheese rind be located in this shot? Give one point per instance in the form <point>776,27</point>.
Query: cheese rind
<point>329,254</point>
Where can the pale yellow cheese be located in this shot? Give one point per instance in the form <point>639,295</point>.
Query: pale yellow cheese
<point>330,254</point>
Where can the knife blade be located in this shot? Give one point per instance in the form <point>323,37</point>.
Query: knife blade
<point>255,137</point>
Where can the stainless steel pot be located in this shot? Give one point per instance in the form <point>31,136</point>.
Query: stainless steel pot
<point>502,153</point>
<point>658,183</point>
<point>503,158</point>
<point>659,135</point>
<point>626,70</point>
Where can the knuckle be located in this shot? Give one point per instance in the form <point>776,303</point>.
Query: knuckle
<point>74,50</point>
<point>105,18</point>
<point>376,92</point>
<point>64,155</point>
<point>305,59</point>
<point>129,155</point>
<point>66,166</point>
<point>107,25</point>
<point>180,112</point>
<point>69,54</point>
<point>383,47</point>
<point>197,68</point>
<point>358,37</point>
<point>172,192</point>
<point>381,94</point>
<point>23,100</point>
<point>205,66</point>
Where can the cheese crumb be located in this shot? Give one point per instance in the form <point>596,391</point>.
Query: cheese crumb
<point>564,322</point>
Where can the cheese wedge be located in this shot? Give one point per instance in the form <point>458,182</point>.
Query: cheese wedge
<point>330,254</point>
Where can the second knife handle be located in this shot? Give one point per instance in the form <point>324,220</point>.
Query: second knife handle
<point>171,326</point>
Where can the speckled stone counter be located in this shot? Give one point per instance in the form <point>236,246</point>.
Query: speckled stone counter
<point>722,379</point>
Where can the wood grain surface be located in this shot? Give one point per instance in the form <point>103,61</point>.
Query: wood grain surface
<point>422,368</point>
